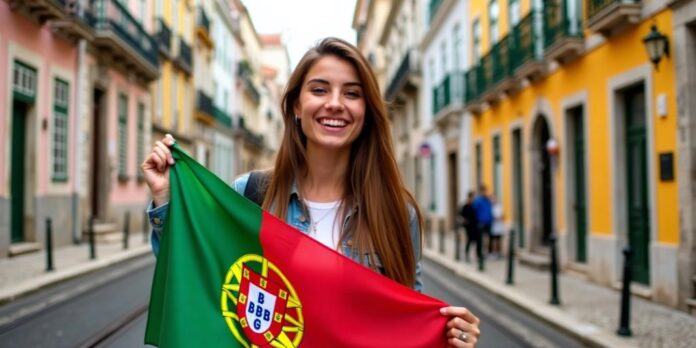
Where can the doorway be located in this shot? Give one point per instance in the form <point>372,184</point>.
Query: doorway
<point>542,208</point>
<point>636,173</point>
<point>517,188</point>
<point>578,223</point>
<point>98,177</point>
<point>20,114</point>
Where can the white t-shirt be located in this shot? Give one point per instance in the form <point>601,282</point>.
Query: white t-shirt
<point>324,226</point>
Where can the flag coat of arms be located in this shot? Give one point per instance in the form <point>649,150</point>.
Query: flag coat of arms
<point>231,275</point>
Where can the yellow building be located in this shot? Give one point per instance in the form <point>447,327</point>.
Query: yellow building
<point>174,22</point>
<point>575,130</point>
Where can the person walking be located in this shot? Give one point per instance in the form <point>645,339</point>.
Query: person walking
<point>467,215</point>
<point>497,229</point>
<point>335,177</point>
<point>484,214</point>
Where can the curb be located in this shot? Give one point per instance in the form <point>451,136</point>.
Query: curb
<point>13,292</point>
<point>589,334</point>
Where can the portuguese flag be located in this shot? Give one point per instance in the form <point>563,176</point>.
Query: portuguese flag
<point>231,275</point>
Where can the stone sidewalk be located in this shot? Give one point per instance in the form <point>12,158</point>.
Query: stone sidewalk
<point>24,274</point>
<point>588,311</point>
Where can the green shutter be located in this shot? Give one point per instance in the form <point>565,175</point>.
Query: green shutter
<point>123,137</point>
<point>61,104</point>
<point>140,147</point>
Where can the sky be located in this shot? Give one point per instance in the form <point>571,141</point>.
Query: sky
<point>303,22</point>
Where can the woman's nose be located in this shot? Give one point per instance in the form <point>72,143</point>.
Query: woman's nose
<point>335,103</point>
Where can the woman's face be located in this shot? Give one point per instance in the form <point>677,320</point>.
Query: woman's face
<point>331,106</point>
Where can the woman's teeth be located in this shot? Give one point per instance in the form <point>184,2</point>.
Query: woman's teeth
<point>332,122</point>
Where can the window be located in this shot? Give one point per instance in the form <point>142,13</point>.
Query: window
<point>160,96</point>
<point>175,17</point>
<point>476,40</point>
<point>456,48</point>
<point>497,169</point>
<point>140,145</point>
<point>514,15</point>
<point>175,99</point>
<point>141,9</point>
<point>24,80</point>
<point>493,14</point>
<point>479,168</point>
<point>61,102</point>
<point>443,60</point>
<point>122,137</point>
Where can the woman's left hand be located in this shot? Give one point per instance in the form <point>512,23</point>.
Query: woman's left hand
<point>462,328</point>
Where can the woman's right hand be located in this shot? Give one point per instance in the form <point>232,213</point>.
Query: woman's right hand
<point>156,170</point>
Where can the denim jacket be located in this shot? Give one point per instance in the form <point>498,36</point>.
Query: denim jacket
<point>298,217</point>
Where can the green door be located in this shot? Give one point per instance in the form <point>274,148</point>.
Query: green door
<point>580,200</point>
<point>19,120</point>
<point>637,183</point>
<point>517,184</point>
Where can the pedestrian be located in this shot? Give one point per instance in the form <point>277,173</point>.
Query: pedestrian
<point>468,217</point>
<point>484,214</point>
<point>497,229</point>
<point>335,166</point>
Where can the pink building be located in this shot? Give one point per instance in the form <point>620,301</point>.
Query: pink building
<point>74,117</point>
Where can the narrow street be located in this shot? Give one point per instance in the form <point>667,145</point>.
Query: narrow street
<point>108,309</point>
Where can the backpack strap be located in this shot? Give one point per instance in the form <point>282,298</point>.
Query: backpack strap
<point>255,189</point>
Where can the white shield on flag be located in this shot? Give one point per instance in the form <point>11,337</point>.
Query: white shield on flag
<point>259,309</point>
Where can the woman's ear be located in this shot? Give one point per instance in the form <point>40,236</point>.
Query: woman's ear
<point>296,110</point>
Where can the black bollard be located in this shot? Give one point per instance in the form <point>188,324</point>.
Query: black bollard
<point>625,325</point>
<point>90,235</point>
<point>554,272</point>
<point>126,230</point>
<point>511,258</point>
<point>441,229</point>
<point>145,227</point>
<point>49,246</point>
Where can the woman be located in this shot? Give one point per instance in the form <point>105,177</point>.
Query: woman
<point>336,166</point>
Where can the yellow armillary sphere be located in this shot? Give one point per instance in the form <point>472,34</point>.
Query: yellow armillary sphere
<point>261,308</point>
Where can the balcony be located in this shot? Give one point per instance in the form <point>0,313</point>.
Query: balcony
<point>473,87</point>
<point>40,11</point>
<point>245,73</point>
<point>610,16</point>
<point>249,136</point>
<point>78,22</point>
<point>122,37</point>
<point>183,59</point>
<point>433,6</point>
<point>563,39</point>
<point>221,117</point>
<point>203,27</point>
<point>448,92</point>
<point>204,107</point>
<point>527,58</point>
<point>163,37</point>
<point>400,80</point>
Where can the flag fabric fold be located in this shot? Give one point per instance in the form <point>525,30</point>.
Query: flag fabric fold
<point>229,274</point>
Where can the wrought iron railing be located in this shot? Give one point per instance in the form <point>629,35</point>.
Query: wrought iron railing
<point>525,37</point>
<point>112,15</point>
<point>163,36</point>
<point>184,56</point>
<point>222,117</point>
<point>557,23</point>
<point>401,73</point>
<point>202,19</point>
<point>204,103</point>
<point>448,91</point>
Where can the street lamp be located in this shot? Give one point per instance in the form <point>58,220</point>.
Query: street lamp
<point>657,45</point>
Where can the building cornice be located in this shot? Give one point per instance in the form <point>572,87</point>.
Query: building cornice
<point>393,12</point>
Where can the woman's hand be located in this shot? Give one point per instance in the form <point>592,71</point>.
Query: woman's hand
<point>462,328</point>
<point>156,170</point>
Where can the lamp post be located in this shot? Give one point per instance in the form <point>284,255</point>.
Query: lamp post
<point>552,149</point>
<point>657,45</point>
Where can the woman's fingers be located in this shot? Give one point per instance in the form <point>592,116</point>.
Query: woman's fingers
<point>460,312</point>
<point>166,151</point>
<point>162,158</point>
<point>168,140</point>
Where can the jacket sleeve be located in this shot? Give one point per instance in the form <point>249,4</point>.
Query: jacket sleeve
<point>416,241</point>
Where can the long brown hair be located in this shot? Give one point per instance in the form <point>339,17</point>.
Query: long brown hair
<point>373,184</point>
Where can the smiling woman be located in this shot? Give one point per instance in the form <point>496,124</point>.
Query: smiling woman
<point>335,176</point>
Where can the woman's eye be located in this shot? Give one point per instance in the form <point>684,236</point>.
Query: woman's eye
<point>353,94</point>
<point>318,90</point>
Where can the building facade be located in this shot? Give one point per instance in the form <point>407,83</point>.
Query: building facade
<point>578,143</point>
<point>78,105</point>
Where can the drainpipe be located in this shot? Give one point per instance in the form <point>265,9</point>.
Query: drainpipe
<point>77,140</point>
